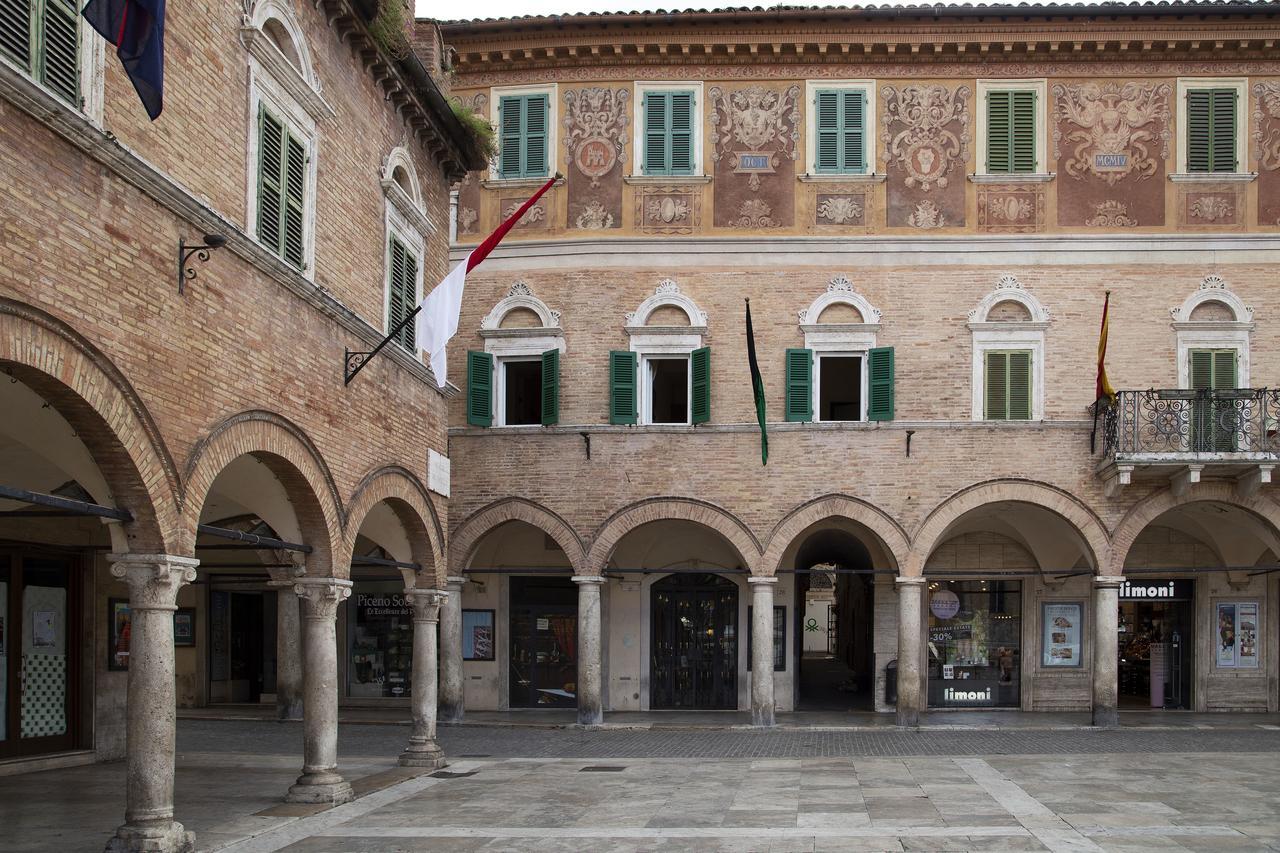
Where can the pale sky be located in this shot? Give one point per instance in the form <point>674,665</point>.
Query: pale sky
<point>454,10</point>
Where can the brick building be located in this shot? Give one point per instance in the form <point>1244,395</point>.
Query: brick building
<point>926,207</point>
<point>180,453</point>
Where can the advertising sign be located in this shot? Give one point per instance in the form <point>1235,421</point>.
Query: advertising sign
<point>1061,627</point>
<point>944,604</point>
<point>1236,643</point>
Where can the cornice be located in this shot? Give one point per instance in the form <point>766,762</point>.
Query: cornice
<point>107,150</point>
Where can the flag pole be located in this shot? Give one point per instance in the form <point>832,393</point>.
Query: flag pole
<point>354,362</point>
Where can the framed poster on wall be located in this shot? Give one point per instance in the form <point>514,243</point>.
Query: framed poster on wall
<point>477,635</point>
<point>1236,639</point>
<point>120,623</point>
<point>1061,633</point>
<point>184,626</point>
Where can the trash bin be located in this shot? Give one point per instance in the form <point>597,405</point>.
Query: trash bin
<point>891,682</point>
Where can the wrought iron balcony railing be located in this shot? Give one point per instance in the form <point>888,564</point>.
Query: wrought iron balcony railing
<point>1243,421</point>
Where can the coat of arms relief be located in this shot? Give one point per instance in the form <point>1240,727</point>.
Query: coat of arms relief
<point>754,127</point>
<point>1112,130</point>
<point>925,129</point>
<point>595,129</point>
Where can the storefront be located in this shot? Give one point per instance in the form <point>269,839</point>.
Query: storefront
<point>974,643</point>
<point>379,641</point>
<point>1156,643</point>
<point>543,656</point>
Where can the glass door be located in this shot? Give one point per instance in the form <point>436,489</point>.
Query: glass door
<point>694,643</point>
<point>38,658</point>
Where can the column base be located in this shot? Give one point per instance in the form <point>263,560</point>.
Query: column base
<point>427,756</point>
<point>908,718</point>
<point>450,713</point>
<point>763,719</point>
<point>1106,718</point>
<point>590,717</point>
<point>324,787</point>
<point>289,710</point>
<point>162,836</point>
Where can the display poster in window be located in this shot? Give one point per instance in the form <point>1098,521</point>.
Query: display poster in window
<point>944,604</point>
<point>1237,636</point>
<point>44,629</point>
<point>121,624</point>
<point>1061,626</point>
<point>184,626</point>
<point>381,644</point>
<point>477,635</point>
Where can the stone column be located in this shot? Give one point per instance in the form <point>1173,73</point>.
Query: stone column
<point>762,708</point>
<point>1106,652</point>
<point>320,781</point>
<point>288,643</point>
<point>910,629</point>
<point>590,692</point>
<point>423,751</point>
<point>452,705</point>
<point>154,581</point>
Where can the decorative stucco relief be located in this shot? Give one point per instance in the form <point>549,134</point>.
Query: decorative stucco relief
<point>755,213</point>
<point>925,131</point>
<point>1111,214</point>
<point>1015,208</point>
<point>926,216</point>
<point>595,133</point>
<point>1266,118</point>
<point>534,217</point>
<point>668,210</point>
<point>841,209</point>
<point>754,128</point>
<point>1213,206</point>
<point>1112,130</point>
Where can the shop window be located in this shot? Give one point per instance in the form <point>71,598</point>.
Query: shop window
<point>477,635</point>
<point>544,643</point>
<point>380,642</point>
<point>974,644</point>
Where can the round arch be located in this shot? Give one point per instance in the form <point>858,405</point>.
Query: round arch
<point>891,535</point>
<point>932,530</point>
<point>467,536</point>
<point>292,457</point>
<point>412,506</point>
<point>1149,509</point>
<point>643,512</point>
<point>109,417</point>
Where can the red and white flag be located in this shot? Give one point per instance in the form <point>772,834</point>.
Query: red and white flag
<point>437,321</point>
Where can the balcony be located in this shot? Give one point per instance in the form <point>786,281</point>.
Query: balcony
<point>1183,434</point>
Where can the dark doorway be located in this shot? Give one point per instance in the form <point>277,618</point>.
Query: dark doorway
<point>1156,649</point>
<point>242,645</point>
<point>839,388</point>
<point>544,643</point>
<point>835,605</point>
<point>39,652</point>
<point>694,645</point>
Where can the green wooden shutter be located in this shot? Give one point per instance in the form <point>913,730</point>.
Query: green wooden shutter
<point>827,141</point>
<point>799,385</point>
<point>622,387</point>
<point>15,30</point>
<point>999,131</point>
<point>1022,149</point>
<point>1202,368</point>
<point>996,383</point>
<point>655,133</point>
<point>681,133</point>
<point>880,384</point>
<point>271,142</point>
<point>1020,386</point>
<point>535,136</point>
<point>295,193</point>
<point>60,49</point>
<point>853,159</point>
<point>1211,130</point>
<point>551,387</point>
<point>1213,369</point>
<point>510,145</point>
<point>403,275</point>
<point>479,388</point>
<point>700,366</point>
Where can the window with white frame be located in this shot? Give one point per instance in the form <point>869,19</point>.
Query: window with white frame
<point>515,381</point>
<point>285,104</point>
<point>407,230</point>
<point>1213,327</point>
<point>669,142</point>
<point>49,42</point>
<point>1008,327</point>
<point>665,377</point>
<point>840,374</point>
<point>1012,131</point>
<point>840,127</point>
<point>1212,126</point>
<point>525,119</point>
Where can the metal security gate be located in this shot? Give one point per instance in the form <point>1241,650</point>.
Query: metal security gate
<point>694,651</point>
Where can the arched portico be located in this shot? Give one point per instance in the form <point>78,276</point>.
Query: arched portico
<point>703,513</point>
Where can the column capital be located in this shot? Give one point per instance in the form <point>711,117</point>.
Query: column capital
<point>321,596</point>
<point>153,579</point>
<point>286,575</point>
<point>912,580</point>
<point>766,582</point>
<point>426,603</point>
<point>1108,581</point>
<point>454,584</point>
<point>588,579</point>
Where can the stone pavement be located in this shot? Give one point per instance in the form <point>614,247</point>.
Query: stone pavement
<point>631,790</point>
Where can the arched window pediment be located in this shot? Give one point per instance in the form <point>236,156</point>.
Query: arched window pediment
<point>667,293</point>
<point>1009,289</point>
<point>839,292</point>
<point>1213,288</point>
<point>273,37</point>
<point>520,297</point>
<point>403,192</point>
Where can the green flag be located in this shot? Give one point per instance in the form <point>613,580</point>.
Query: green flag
<point>757,388</point>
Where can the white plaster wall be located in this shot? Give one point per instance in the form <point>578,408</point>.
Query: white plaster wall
<point>483,682</point>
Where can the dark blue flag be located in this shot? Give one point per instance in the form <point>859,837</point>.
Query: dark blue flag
<point>136,28</point>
